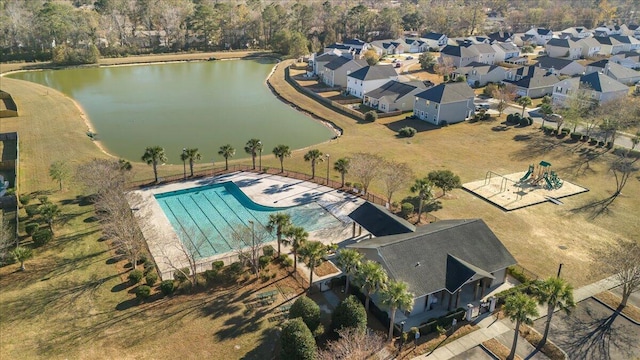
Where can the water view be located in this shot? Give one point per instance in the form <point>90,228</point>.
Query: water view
<point>201,104</point>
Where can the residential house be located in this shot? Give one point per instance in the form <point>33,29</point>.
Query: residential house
<point>467,53</point>
<point>609,45</point>
<point>629,59</point>
<point>388,47</point>
<point>520,60</point>
<point>515,74</point>
<point>616,71</point>
<point>435,40</point>
<point>445,103</point>
<point>336,71</point>
<point>394,96</point>
<point>540,36</point>
<point>479,74</point>
<point>632,30</point>
<point>560,66</point>
<point>602,88</point>
<point>590,47</point>
<point>369,78</point>
<point>320,61</point>
<point>417,45</point>
<point>577,32</point>
<point>505,51</point>
<point>537,85</point>
<point>563,48</point>
<point>604,31</point>
<point>501,36</point>
<point>441,262</point>
<point>629,43</point>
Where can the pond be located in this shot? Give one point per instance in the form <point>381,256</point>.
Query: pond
<point>195,105</point>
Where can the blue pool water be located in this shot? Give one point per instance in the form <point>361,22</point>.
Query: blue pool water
<point>207,216</point>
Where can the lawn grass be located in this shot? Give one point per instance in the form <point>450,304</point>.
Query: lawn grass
<point>69,303</point>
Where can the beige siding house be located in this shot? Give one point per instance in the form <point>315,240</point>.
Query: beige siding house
<point>445,104</point>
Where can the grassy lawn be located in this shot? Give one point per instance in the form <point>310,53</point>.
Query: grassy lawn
<point>70,303</point>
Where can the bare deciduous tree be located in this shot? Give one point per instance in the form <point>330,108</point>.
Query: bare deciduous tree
<point>504,94</point>
<point>623,260</point>
<point>352,345</point>
<point>396,176</point>
<point>248,242</point>
<point>365,167</point>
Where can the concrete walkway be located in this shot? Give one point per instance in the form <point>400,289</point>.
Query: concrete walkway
<point>490,327</point>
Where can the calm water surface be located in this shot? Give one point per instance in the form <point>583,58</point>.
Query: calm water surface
<point>202,104</point>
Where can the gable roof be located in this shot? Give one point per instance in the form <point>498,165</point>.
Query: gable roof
<point>441,255</point>
<point>433,36</point>
<point>479,67</point>
<point>328,57</point>
<point>448,93</point>
<point>354,42</point>
<point>590,42</point>
<point>607,40</point>
<point>601,83</point>
<point>507,46</point>
<point>547,62</point>
<point>376,72</point>
<point>501,36</point>
<point>392,91</point>
<point>563,43</point>
<point>342,60</point>
<point>536,81</point>
<point>379,221</point>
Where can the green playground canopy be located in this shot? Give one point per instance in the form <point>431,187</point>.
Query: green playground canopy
<point>544,163</point>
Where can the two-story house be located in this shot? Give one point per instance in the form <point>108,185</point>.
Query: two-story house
<point>563,48</point>
<point>590,47</point>
<point>394,96</point>
<point>616,71</point>
<point>369,78</point>
<point>601,88</point>
<point>540,36</point>
<point>479,74</point>
<point>466,53</point>
<point>505,51</point>
<point>560,66</point>
<point>445,103</point>
<point>336,71</point>
<point>435,40</point>
<point>629,59</point>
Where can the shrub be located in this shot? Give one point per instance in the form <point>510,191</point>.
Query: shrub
<point>585,138</point>
<point>42,237</point>
<point>407,209</point>
<point>347,183</point>
<point>167,287</point>
<point>407,131</point>
<point>524,122</point>
<point>217,265</point>
<point>489,90</point>
<point>370,116</point>
<point>308,310</point>
<point>297,341</point>
<point>476,84</point>
<point>286,261</point>
<point>529,120</point>
<point>510,118</point>
<point>143,292</point>
<point>349,313</point>
<point>32,210</point>
<point>565,131</point>
<point>576,136</point>
<point>151,278</point>
<point>142,259</point>
<point>268,251</point>
<point>181,275</point>
<point>609,145</point>
<point>518,274</point>
<point>135,276</point>
<point>24,199</point>
<point>148,266</point>
<point>357,185</point>
<point>30,228</point>
<point>263,261</point>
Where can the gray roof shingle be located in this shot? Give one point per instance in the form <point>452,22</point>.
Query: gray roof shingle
<point>376,72</point>
<point>448,93</point>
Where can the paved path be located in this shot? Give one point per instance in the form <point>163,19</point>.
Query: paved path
<point>490,327</point>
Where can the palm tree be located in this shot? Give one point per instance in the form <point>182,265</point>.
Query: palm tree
<point>280,222</point>
<point>252,147</point>
<point>226,151</point>
<point>22,254</point>
<point>396,296</point>
<point>50,213</point>
<point>152,156</point>
<point>124,165</point>
<point>350,261</point>
<point>192,155</point>
<point>555,293</point>
<point>424,188</point>
<point>313,253</point>
<point>296,237</point>
<point>315,156</point>
<point>342,166</point>
<point>281,152</point>
<point>371,277</point>
<point>545,110</point>
<point>519,308</point>
<point>524,102</point>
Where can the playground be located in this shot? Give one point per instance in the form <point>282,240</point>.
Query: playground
<point>539,184</point>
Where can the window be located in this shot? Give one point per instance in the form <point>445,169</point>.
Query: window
<point>436,105</point>
<point>427,102</point>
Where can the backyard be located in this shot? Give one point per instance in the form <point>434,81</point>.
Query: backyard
<point>68,303</point>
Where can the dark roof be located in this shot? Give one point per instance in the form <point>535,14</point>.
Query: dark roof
<point>441,255</point>
<point>379,221</point>
<point>376,72</point>
<point>536,81</point>
<point>328,57</point>
<point>547,62</point>
<point>543,31</point>
<point>433,36</point>
<point>622,38</point>
<point>599,64</point>
<point>338,46</point>
<point>337,63</point>
<point>564,43</point>
<point>481,68</point>
<point>393,90</point>
<point>501,36</point>
<point>448,93</point>
<point>601,83</point>
<point>356,42</point>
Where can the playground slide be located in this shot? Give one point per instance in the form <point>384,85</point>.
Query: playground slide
<point>549,183</point>
<point>526,176</point>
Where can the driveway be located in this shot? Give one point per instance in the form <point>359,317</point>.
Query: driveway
<point>593,331</point>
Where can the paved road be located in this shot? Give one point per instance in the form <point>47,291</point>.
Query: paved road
<point>475,353</point>
<point>593,331</point>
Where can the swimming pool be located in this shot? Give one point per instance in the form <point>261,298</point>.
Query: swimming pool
<point>204,218</point>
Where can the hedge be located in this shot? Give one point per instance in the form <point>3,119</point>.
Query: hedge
<point>135,276</point>
<point>407,131</point>
<point>307,310</point>
<point>268,250</point>
<point>297,341</point>
<point>167,287</point>
<point>151,278</point>
<point>42,237</point>
<point>143,292</point>
<point>30,228</point>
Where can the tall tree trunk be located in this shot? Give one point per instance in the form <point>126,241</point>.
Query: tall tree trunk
<point>226,163</point>
<point>342,175</point>
<point>279,240</point>
<point>253,160</point>
<point>155,170</point>
<point>366,302</point>
<point>313,169</point>
<point>393,318</point>
<point>419,211</point>
<point>295,260</point>
<point>191,167</point>
<point>512,354</point>
<point>281,165</point>
<point>311,277</point>
<point>346,288</point>
<point>547,325</point>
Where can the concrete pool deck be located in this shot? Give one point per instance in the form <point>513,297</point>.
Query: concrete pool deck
<point>264,189</point>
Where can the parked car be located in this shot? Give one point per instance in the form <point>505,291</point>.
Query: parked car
<point>553,118</point>
<point>398,64</point>
<point>395,61</point>
<point>483,106</point>
<point>409,57</point>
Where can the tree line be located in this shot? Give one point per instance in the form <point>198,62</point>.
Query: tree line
<point>79,31</point>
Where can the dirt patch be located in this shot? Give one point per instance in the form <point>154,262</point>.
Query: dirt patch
<point>430,342</point>
<point>498,349</point>
<point>326,268</point>
<point>613,301</point>
<point>550,349</point>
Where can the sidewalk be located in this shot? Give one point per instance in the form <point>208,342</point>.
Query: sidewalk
<point>490,327</point>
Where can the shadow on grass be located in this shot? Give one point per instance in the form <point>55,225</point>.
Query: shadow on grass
<point>419,125</point>
<point>79,200</point>
<point>121,287</point>
<point>266,345</point>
